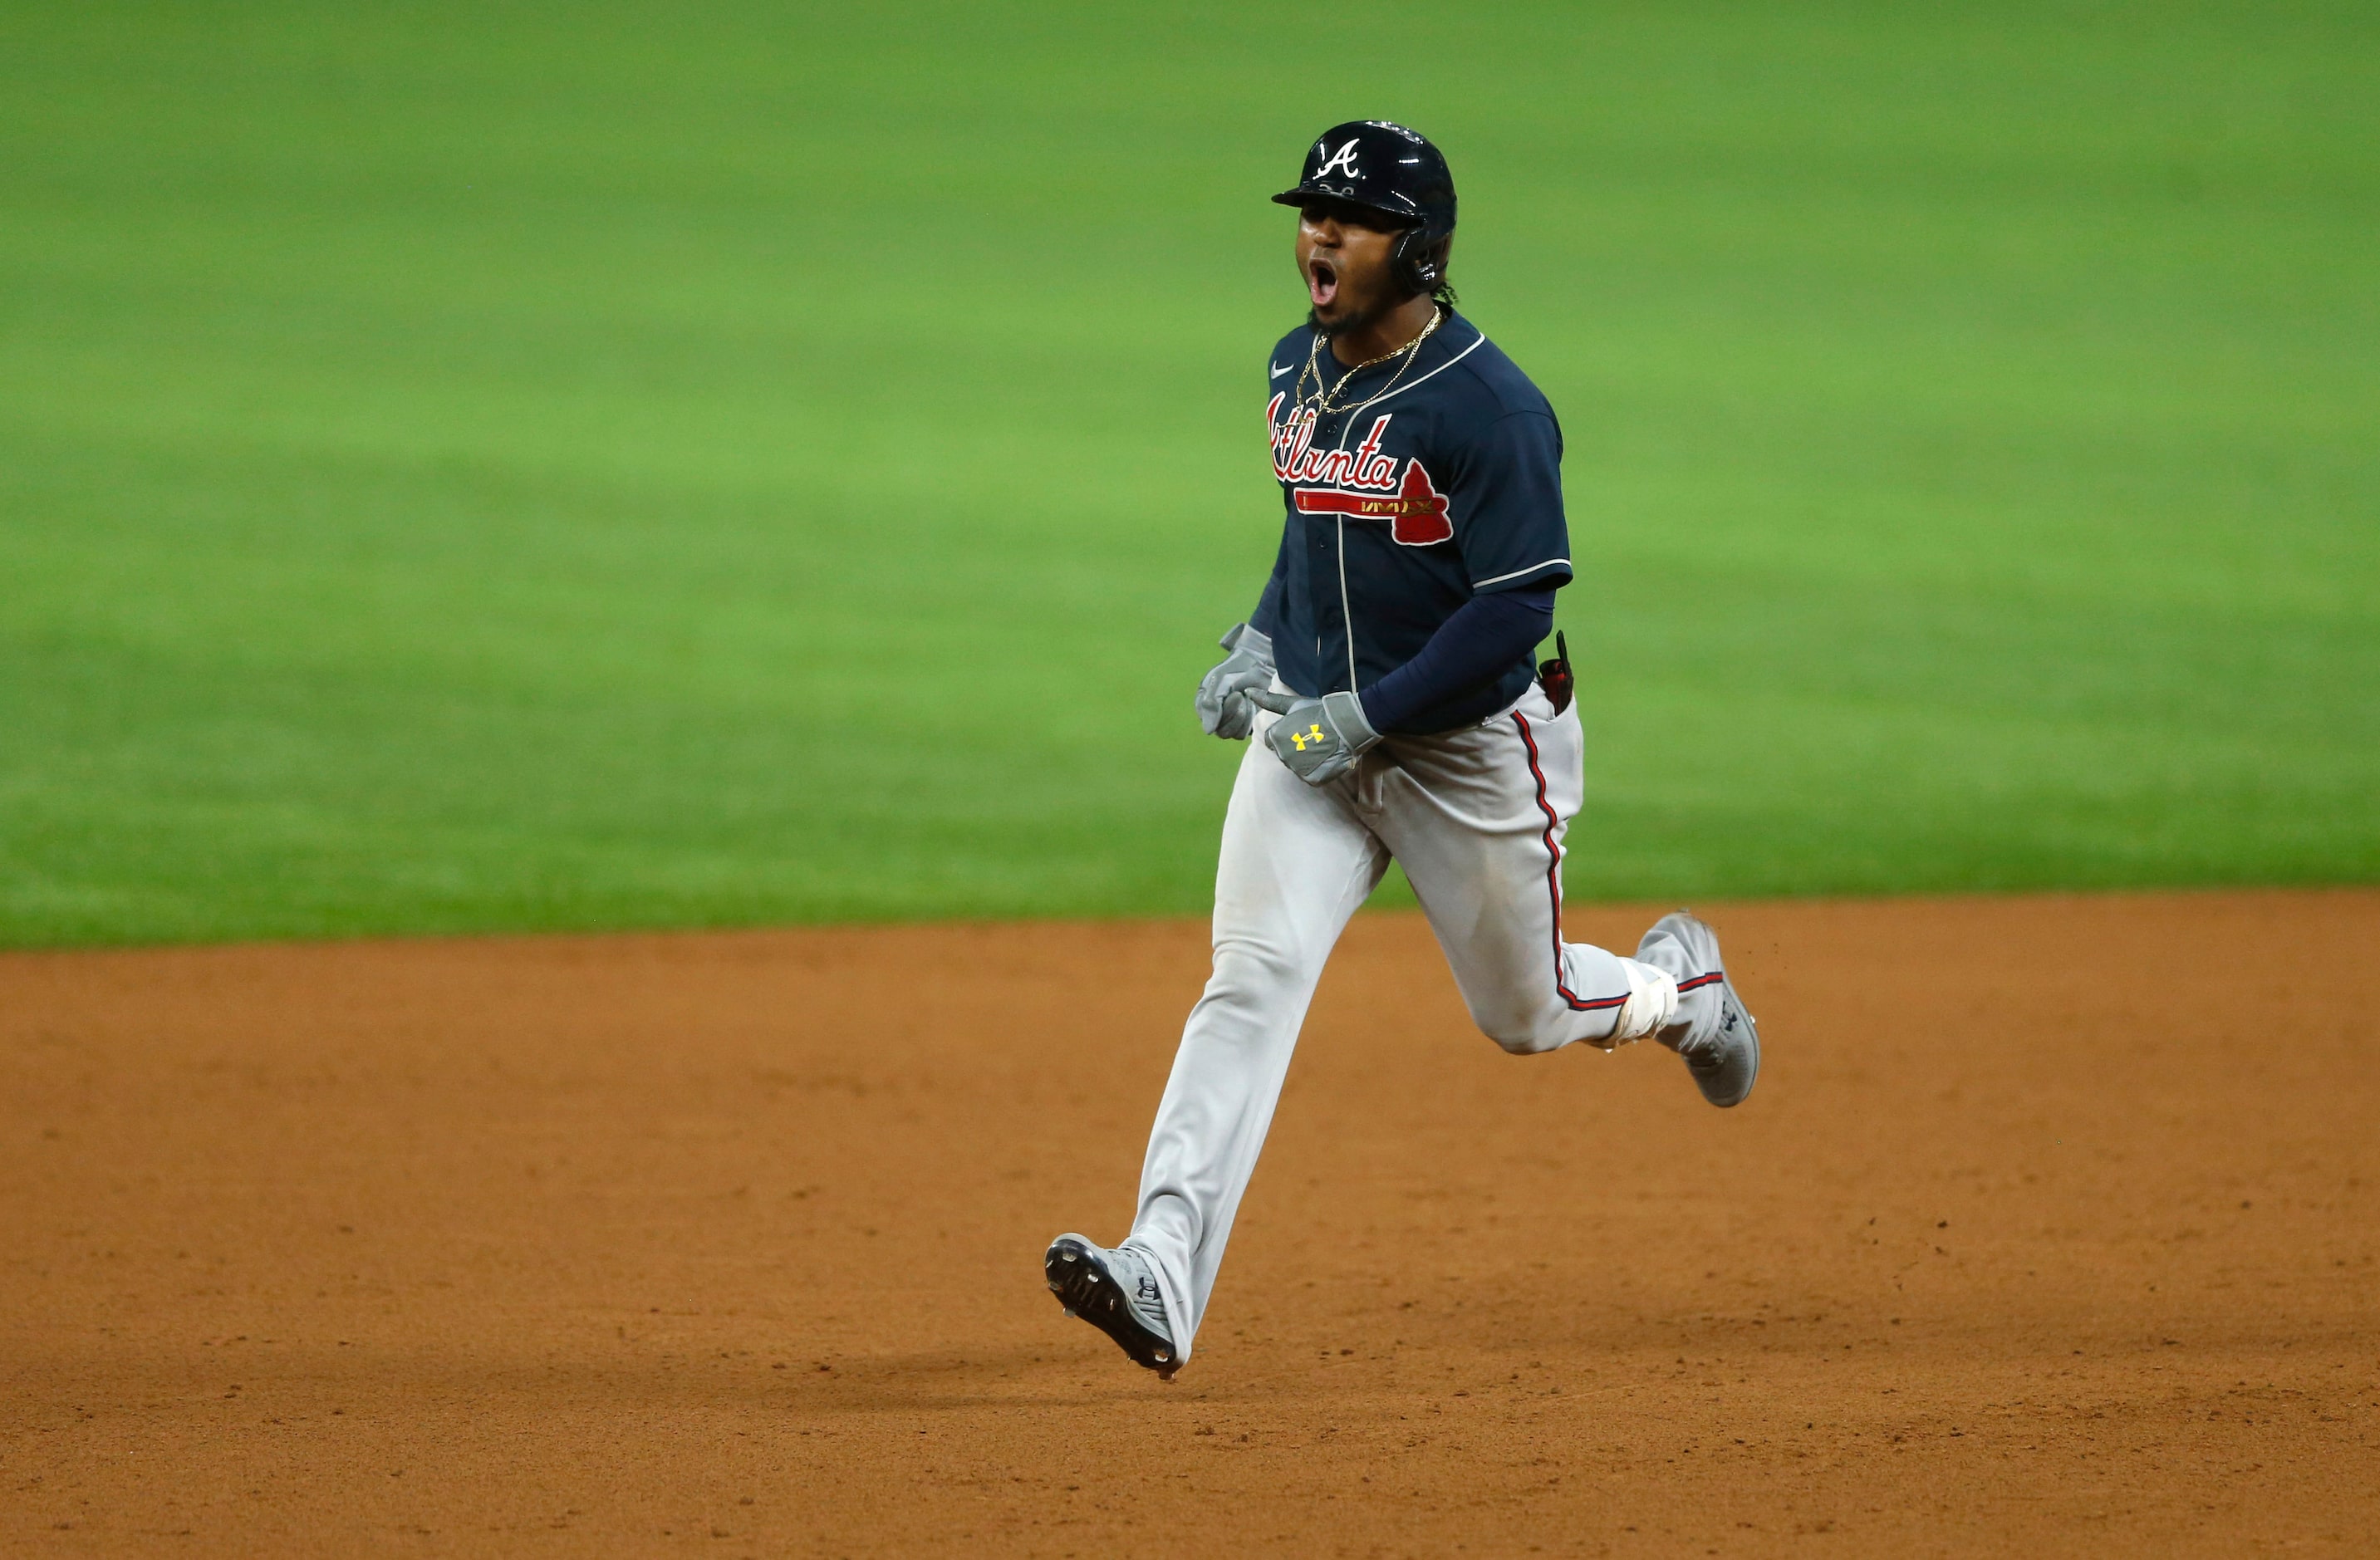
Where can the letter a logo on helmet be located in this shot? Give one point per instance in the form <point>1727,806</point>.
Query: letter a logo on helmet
<point>1406,182</point>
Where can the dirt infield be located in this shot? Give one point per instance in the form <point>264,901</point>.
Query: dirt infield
<point>2051,1228</point>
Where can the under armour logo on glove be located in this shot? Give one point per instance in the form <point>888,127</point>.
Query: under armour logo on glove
<point>1319,739</point>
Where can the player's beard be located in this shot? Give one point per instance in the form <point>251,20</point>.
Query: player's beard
<point>1348,325</point>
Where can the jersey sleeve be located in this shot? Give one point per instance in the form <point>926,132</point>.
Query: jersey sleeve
<point>1266,619</point>
<point>1506,506</point>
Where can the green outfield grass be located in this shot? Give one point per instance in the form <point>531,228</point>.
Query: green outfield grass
<point>476,466</point>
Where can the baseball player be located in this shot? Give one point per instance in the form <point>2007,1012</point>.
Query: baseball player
<point>1386,673</point>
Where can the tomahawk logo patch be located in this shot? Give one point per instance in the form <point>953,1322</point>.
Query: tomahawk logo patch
<point>1417,516</point>
<point>1361,483</point>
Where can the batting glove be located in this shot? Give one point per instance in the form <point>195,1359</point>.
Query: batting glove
<point>1223,701</point>
<point>1319,739</point>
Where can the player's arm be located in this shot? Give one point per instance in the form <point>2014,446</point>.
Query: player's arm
<point>1247,665</point>
<point>1321,738</point>
<point>1266,619</point>
<point>1471,649</point>
<point>1506,503</point>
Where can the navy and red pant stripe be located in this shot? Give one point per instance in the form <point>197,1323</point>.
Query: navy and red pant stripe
<point>1553,883</point>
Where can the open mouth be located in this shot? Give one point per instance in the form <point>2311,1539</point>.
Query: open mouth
<point>1322,281</point>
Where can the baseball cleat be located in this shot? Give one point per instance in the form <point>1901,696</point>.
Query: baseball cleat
<point>1116,1292</point>
<point>1712,1031</point>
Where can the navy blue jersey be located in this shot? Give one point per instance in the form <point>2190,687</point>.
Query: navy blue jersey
<point>1441,480</point>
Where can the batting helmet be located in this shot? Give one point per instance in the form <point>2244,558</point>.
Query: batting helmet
<point>1385,168</point>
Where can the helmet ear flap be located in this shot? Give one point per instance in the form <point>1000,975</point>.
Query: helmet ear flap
<point>1419,260</point>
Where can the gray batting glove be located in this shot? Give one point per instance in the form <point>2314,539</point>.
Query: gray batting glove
<point>1319,739</point>
<point>1223,701</point>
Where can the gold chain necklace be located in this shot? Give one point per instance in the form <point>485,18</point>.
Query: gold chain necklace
<point>1325,400</point>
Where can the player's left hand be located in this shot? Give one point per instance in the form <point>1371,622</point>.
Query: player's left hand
<point>1222,700</point>
<point>1319,739</point>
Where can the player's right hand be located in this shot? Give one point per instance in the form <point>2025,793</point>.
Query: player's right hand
<point>1222,702</point>
<point>1319,739</point>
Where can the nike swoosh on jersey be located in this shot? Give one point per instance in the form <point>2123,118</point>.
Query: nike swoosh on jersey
<point>1278,372</point>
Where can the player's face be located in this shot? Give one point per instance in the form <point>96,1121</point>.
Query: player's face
<point>1344,261</point>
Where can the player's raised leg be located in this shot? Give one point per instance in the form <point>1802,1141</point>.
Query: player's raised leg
<point>1296,863</point>
<point>1479,816</point>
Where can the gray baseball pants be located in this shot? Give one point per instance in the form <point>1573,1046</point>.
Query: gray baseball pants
<point>1477,816</point>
